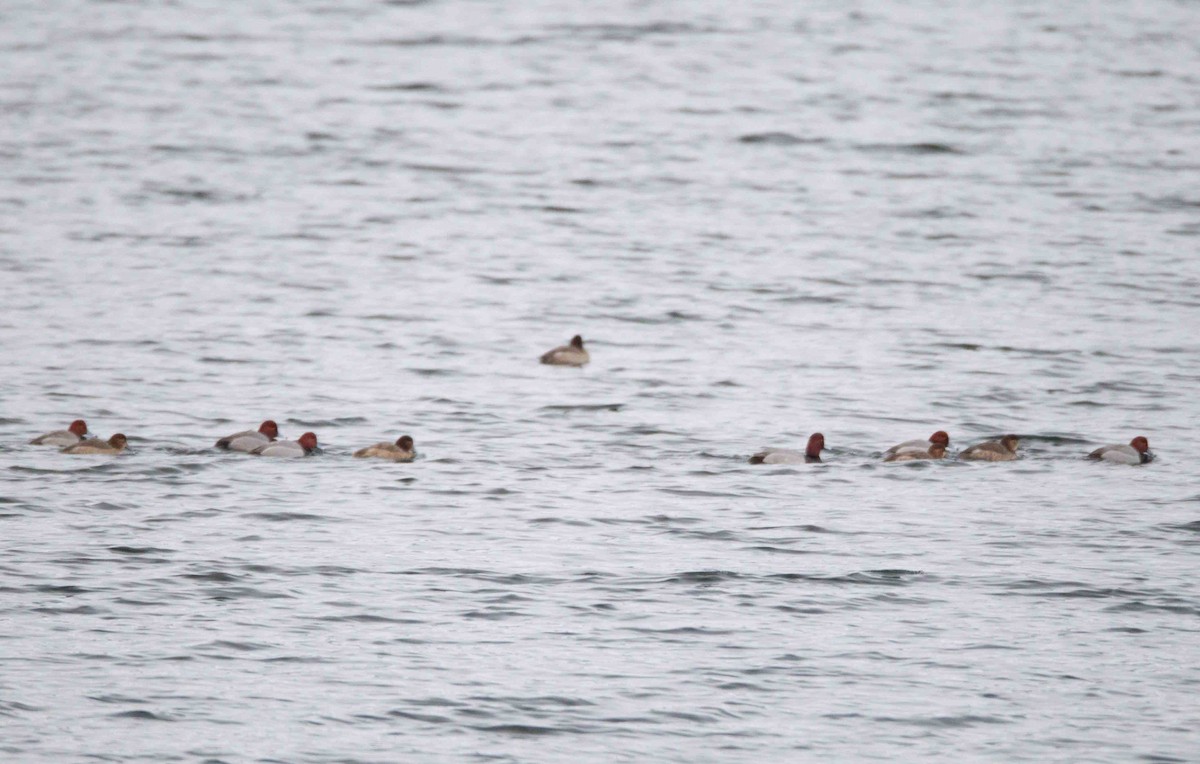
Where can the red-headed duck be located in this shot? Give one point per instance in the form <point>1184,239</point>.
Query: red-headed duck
<point>303,447</point>
<point>67,437</point>
<point>1137,452</point>
<point>1003,450</point>
<point>917,453</point>
<point>114,445</point>
<point>811,454</point>
<point>248,440</point>
<point>940,438</point>
<point>400,451</point>
<point>567,355</point>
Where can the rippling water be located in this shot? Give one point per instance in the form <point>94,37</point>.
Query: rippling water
<point>367,219</point>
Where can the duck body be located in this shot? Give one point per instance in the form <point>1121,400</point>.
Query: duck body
<point>248,440</point>
<point>940,438</point>
<point>567,355</point>
<point>244,442</point>
<point>305,446</point>
<point>783,456</point>
<point>114,445</point>
<point>400,451</point>
<point>61,438</point>
<point>916,453</point>
<point>1003,450</point>
<point>1137,452</point>
<point>810,455</point>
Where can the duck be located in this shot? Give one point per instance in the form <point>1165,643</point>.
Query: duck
<point>1003,450</point>
<point>400,451</point>
<point>305,446</point>
<point>248,440</point>
<point>917,453</point>
<point>114,445</point>
<point>810,455</point>
<point>68,437</point>
<point>1137,452</point>
<point>940,438</point>
<point>572,354</point>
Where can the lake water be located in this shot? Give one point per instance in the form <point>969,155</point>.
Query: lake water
<point>368,219</point>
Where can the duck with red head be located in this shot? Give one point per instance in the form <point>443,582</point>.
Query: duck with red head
<point>1003,450</point>
<point>1137,452</point>
<point>68,437</point>
<point>400,451</point>
<point>917,453</point>
<point>810,455</point>
<point>939,438</point>
<point>114,445</point>
<point>248,440</point>
<point>305,446</point>
<point>567,355</point>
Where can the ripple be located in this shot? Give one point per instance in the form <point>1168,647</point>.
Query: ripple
<point>915,149</point>
<point>778,139</point>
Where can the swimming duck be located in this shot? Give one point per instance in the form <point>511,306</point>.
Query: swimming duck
<point>917,453</point>
<point>940,438</point>
<point>567,355</point>
<point>114,445</point>
<point>810,455</point>
<point>306,445</point>
<point>67,437</point>
<point>1004,450</point>
<point>1137,452</point>
<point>248,440</point>
<point>400,451</point>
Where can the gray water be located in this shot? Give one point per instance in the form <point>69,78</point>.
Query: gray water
<point>368,219</point>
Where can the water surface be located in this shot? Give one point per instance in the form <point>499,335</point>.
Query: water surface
<point>367,219</point>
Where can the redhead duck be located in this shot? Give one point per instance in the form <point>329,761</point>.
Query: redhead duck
<point>1004,450</point>
<point>67,437</point>
<point>114,445</point>
<point>248,440</point>
<point>940,438</point>
<point>568,355</point>
<point>288,448</point>
<point>812,454</point>
<point>1137,452</point>
<point>400,451</point>
<point>917,453</point>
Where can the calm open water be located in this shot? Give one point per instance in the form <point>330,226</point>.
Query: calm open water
<point>368,219</point>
